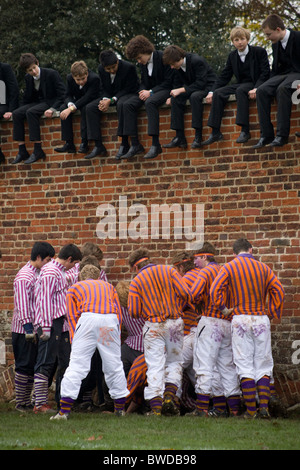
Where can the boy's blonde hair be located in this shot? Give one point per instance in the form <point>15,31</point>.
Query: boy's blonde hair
<point>239,32</point>
<point>89,272</point>
<point>122,289</point>
<point>79,69</point>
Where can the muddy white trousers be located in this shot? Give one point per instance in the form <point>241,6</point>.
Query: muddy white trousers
<point>163,344</point>
<point>251,344</point>
<point>101,331</point>
<point>213,359</point>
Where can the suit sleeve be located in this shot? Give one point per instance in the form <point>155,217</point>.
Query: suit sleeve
<point>12,88</point>
<point>60,90</point>
<point>225,75</point>
<point>264,67</point>
<point>200,72</point>
<point>92,92</point>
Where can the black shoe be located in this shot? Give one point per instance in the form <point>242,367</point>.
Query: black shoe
<point>297,134</point>
<point>213,138</point>
<point>243,137</point>
<point>262,142</point>
<point>279,141</point>
<point>197,144</point>
<point>122,151</point>
<point>35,157</point>
<point>176,142</point>
<point>2,157</point>
<point>154,151</point>
<point>97,151</point>
<point>134,150</point>
<point>67,148</point>
<point>83,148</point>
<point>20,157</point>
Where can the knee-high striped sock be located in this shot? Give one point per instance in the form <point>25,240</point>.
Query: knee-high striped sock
<point>119,404</point>
<point>219,403</point>
<point>156,404</point>
<point>28,392</point>
<point>170,390</point>
<point>40,389</point>
<point>249,394</point>
<point>21,381</point>
<point>234,404</point>
<point>202,402</point>
<point>263,389</point>
<point>66,404</point>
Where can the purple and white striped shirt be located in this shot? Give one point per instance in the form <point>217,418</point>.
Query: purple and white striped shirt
<point>24,299</point>
<point>50,292</point>
<point>134,327</point>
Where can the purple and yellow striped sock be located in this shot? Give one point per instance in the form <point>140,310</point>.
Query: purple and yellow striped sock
<point>156,404</point>
<point>202,402</point>
<point>249,394</point>
<point>234,404</point>
<point>263,390</point>
<point>66,404</point>
<point>119,404</point>
<point>170,390</point>
<point>219,403</point>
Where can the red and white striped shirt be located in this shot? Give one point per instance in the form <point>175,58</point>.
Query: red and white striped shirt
<point>72,275</point>
<point>24,298</point>
<point>51,289</point>
<point>154,292</point>
<point>134,327</point>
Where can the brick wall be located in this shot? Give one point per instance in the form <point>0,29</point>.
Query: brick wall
<point>244,192</point>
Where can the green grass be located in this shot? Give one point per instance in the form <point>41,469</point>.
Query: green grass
<point>96,431</point>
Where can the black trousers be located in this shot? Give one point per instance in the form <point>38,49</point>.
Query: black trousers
<point>152,105</point>
<point>93,118</point>
<point>32,112</point>
<point>278,87</point>
<point>67,125</point>
<point>48,350</point>
<point>25,354</point>
<point>128,355</point>
<point>178,106</point>
<point>220,99</point>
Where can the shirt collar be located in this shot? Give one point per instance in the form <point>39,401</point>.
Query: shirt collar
<point>286,38</point>
<point>245,52</point>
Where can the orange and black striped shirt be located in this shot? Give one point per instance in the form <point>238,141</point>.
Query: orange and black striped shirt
<point>153,294</point>
<point>92,296</point>
<point>250,283</point>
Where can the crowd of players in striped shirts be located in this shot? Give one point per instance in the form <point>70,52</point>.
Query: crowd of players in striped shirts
<point>191,337</point>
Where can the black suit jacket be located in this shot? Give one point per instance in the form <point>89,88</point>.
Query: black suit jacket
<point>259,67</point>
<point>293,47</point>
<point>198,76</point>
<point>51,86</point>
<point>11,86</point>
<point>126,81</point>
<point>162,75</point>
<point>89,92</point>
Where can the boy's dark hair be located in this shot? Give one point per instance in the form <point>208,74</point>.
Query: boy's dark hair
<point>140,254</point>
<point>173,54</point>
<point>205,249</point>
<point>241,244</point>
<point>183,259</point>
<point>90,259</point>
<point>26,60</point>
<point>70,250</point>
<point>273,22</point>
<point>90,248</point>
<point>107,58</point>
<point>42,249</point>
<point>139,45</point>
